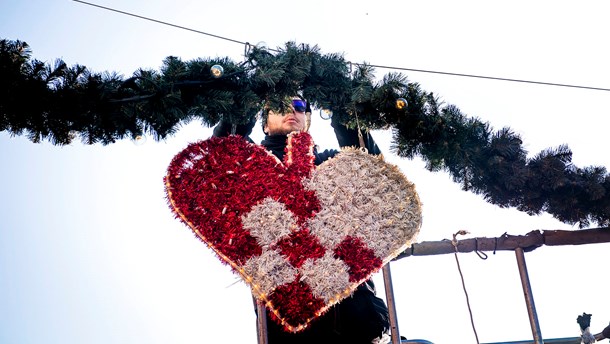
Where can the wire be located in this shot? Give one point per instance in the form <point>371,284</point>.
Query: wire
<point>358,64</point>
<point>491,78</point>
<point>160,22</point>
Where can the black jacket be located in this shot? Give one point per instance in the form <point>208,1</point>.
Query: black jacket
<point>357,319</point>
<point>346,138</point>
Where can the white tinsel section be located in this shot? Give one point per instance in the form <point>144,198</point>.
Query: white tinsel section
<point>325,276</point>
<point>363,196</point>
<point>269,270</point>
<point>269,221</point>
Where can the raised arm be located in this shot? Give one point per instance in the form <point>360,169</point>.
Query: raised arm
<point>224,128</point>
<point>349,137</point>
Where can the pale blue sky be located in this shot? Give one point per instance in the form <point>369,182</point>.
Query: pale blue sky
<point>90,253</point>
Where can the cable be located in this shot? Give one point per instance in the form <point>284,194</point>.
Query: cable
<point>492,78</point>
<point>160,22</point>
<point>358,64</point>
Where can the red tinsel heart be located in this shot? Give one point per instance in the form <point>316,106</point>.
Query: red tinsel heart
<point>302,238</point>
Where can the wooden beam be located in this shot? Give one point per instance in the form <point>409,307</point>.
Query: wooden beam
<point>506,242</point>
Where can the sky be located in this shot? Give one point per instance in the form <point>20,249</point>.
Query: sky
<point>91,253</point>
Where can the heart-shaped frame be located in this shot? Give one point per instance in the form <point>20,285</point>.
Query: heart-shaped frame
<point>303,238</point>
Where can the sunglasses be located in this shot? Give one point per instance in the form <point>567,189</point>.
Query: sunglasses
<point>299,105</point>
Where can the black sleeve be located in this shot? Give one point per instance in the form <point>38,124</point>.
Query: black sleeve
<point>224,128</point>
<point>349,137</point>
<point>320,157</point>
<point>363,316</point>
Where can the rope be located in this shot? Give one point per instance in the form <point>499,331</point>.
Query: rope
<point>455,245</point>
<point>360,138</point>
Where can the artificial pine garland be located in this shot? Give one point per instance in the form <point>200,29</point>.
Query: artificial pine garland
<point>103,107</point>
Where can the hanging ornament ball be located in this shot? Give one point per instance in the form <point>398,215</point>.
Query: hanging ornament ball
<point>401,103</point>
<point>139,140</point>
<point>326,113</point>
<point>72,134</point>
<point>217,71</point>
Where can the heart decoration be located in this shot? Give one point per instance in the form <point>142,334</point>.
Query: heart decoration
<point>303,238</point>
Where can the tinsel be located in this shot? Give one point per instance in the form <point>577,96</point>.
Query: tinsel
<point>73,102</point>
<point>303,238</point>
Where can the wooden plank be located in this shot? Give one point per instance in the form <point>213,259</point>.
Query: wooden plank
<point>506,242</point>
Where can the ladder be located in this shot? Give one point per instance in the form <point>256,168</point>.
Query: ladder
<point>506,242</point>
<point>261,321</point>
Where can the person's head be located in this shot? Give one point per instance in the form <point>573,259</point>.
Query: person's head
<point>293,117</point>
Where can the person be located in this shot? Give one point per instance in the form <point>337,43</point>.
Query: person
<point>360,318</point>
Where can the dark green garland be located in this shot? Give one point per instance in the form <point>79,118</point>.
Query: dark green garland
<point>60,103</point>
